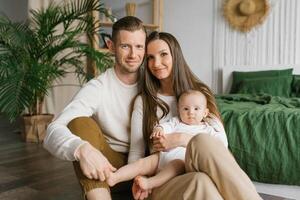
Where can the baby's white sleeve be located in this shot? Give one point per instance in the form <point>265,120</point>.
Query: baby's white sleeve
<point>170,125</point>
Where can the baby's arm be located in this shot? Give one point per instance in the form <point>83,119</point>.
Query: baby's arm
<point>166,127</point>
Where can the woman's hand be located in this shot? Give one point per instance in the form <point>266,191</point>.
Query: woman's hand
<point>157,132</point>
<point>170,141</point>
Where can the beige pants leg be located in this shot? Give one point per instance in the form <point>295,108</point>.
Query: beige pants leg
<point>189,186</point>
<point>208,155</point>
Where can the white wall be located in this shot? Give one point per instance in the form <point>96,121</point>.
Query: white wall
<point>192,24</point>
<point>14,9</point>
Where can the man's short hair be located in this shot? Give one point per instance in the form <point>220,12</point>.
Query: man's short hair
<point>128,23</point>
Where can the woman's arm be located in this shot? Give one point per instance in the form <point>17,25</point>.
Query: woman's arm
<point>218,130</point>
<point>137,143</point>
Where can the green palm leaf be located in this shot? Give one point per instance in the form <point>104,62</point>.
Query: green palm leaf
<point>34,53</point>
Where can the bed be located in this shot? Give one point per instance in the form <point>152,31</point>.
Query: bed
<point>261,115</point>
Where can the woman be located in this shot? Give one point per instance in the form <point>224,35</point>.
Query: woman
<point>211,171</point>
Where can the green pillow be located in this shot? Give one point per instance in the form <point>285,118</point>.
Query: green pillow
<point>275,86</point>
<point>240,76</point>
<point>296,86</point>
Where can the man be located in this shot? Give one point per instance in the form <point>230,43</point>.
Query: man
<point>74,136</point>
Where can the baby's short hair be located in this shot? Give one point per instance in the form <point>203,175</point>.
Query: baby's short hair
<point>189,92</point>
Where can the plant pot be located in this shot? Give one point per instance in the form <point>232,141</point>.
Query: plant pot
<point>35,126</point>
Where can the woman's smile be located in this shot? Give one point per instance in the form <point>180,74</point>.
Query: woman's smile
<point>159,59</point>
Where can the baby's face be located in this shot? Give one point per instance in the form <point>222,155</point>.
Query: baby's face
<point>192,108</point>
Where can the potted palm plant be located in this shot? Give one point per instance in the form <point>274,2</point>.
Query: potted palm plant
<point>36,52</point>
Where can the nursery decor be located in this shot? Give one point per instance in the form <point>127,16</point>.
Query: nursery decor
<point>243,15</point>
<point>34,53</point>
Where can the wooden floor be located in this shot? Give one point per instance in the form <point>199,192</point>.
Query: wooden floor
<point>28,172</point>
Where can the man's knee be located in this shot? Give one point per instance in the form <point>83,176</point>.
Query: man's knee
<point>87,129</point>
<point>80,125</point>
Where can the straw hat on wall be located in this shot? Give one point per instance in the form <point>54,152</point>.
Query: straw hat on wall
<point>243,15</point>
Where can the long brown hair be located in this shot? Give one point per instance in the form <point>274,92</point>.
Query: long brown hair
<point>183,79</point>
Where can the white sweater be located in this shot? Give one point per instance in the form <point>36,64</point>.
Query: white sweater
<point>107,100</point>
<point>137,146</point>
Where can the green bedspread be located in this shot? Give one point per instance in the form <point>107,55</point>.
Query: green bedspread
<point>264,135</point>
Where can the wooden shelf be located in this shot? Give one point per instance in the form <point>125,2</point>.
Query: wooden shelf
<point>151,26</point>
<point>106,24</point>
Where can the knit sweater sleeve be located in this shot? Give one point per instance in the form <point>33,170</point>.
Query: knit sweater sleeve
<point>59,140</point>
<point>137,144</point>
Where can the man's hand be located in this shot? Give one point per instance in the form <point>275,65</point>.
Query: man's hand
<point>93,163</point>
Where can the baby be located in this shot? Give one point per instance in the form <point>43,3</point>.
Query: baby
<point>194,118</point>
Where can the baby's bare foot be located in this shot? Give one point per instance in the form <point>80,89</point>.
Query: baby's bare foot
<point>143,182</point>
<point>111,180</point>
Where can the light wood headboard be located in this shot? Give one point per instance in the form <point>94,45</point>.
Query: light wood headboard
<point>227,72</point>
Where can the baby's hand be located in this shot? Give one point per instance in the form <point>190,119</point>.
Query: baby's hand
<point>157,132</point>
<point>138,193</point>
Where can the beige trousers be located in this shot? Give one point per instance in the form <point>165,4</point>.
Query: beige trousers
<point>212,174</point>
